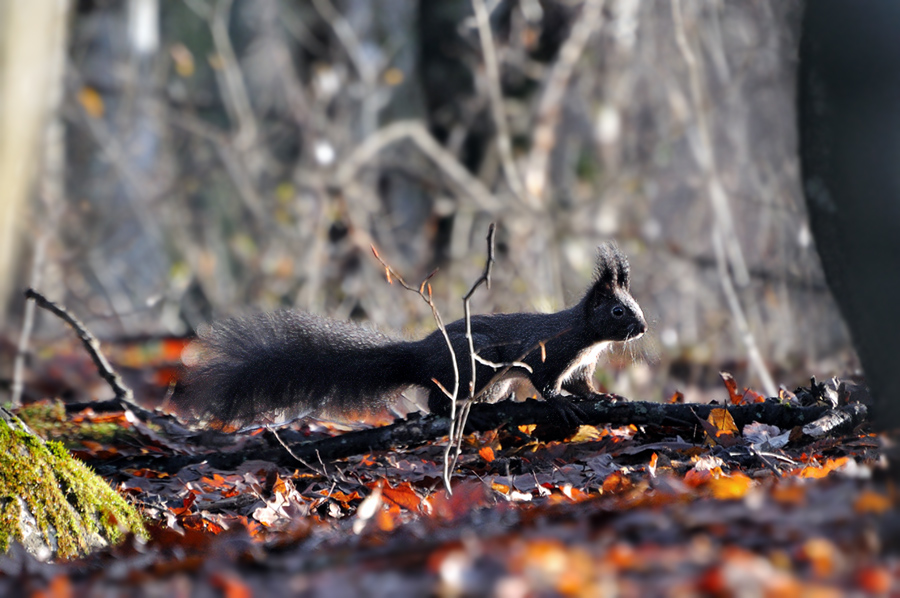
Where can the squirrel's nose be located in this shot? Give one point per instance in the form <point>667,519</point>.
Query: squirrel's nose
<point>638,328</point>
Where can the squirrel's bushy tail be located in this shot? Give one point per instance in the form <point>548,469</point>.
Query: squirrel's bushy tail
<point>286,364</point>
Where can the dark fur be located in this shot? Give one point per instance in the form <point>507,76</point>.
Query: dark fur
<point>292,363</point>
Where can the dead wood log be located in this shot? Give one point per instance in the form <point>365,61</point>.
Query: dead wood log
<point>417,430</point>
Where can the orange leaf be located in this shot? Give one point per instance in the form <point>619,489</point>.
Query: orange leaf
<point>722,420</point>
<point>731,385</point>
<point>501,488</point>
<point>725,431</point>
<point>91,445</point>
<point>874,580</point>
<point>280,486</point>
<point>821,472</point>
<point>677,397</point>
<point>696,478</point>
<point>487,453</point>
<point>822,556</point>
<point>341,496</point>
<point>217,481</point>
<point>92,102</point>
<point>730,487</point>
<point>230,584</point>
<point>402,495</point>
<point>712,582</point>
<point>751,396</point>
<point>466,497</point>
<point>573,493</point>
<point>171,348</point>
<point>587,434</point>
<point>385,521</point>
<point>60,587</point>
<point>616,482</point>
<point>622,556</point>
<point>789,494</point>
<point>870,501</point>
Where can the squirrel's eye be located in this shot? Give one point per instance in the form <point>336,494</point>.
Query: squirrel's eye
<point>618,311</point>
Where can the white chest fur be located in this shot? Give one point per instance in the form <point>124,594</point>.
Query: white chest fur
<point>586,358</point>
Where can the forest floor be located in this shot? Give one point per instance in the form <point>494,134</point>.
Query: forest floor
<point>710,507</point>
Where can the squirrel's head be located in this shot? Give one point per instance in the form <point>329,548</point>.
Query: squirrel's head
<point>612,312</point>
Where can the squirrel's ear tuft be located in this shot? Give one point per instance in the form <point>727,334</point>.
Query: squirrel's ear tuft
<point>612,266</point>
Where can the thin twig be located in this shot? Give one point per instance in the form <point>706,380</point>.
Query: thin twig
<point>274,432</point>
<point>455,443</point>
<point>91,344</point>
<point>424,291</point>
<point>485,279</point>
<point>765,461</point>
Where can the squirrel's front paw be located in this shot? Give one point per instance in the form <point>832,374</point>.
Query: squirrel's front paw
<point>568,412</point>
<point>605,396</point>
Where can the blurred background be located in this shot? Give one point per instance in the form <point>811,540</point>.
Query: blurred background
<point>165,163</point>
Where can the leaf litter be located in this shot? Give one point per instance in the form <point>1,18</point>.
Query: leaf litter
<point>611,510</point>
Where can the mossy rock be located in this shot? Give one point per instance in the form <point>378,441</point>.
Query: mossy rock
<point>54,504</point>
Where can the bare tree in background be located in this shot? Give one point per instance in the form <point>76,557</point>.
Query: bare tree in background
<point>252,156</point>
<point>32,43</point>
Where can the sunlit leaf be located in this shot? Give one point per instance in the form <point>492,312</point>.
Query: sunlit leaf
<point>733,395</point>
<point>876,580</point>
<point>403,495</point>
<point>821,472</point>
<point>183,60</point>
<point>822,556</point>
<point>587,434</point>
<point>92,102</point>
<point>730,487</point>
<point>615,483</point>
<point>870,501</point>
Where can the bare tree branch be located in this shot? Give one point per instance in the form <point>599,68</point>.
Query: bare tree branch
<point>416,132</point>
<point>705,151</point>
<point>547,118</point>
<point>492,73</point>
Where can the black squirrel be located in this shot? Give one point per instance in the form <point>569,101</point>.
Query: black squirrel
<point>291,364</point>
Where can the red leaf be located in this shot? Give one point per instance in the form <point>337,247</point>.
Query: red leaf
<point>734,396</point>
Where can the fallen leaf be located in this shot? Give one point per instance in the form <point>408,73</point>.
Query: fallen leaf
<point>733,395</point>
<point>870,501</point>
<point>730,487</point>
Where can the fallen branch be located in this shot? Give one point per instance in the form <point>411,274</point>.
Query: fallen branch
<point>417,430</point>
<point>91,344</point>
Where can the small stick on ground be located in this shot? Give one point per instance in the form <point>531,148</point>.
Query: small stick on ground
<point>91,344</point>
<point>424,291</point>
<point>458,425</point>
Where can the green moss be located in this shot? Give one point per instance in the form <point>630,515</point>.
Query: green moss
<point>49,420</point>
<point>70,504</point>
